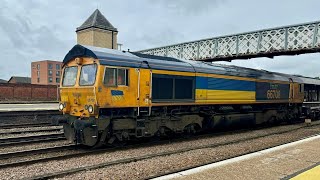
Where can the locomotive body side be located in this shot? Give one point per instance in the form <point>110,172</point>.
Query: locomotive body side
<point>114,97</point>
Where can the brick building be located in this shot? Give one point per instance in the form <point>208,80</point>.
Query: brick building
<point>46,72</point>
<point>97,31</point>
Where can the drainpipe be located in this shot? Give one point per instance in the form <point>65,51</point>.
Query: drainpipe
<point>112,39</point>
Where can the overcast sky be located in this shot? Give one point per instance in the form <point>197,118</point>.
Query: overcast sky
<point>33,30</point>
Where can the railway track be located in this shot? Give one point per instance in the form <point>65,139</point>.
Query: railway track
<point>26,125</point>
<point>53,129</point>
<point>30,139</point>
<point>143,157</point>
<point>24,119</point>
<point>29,113</point>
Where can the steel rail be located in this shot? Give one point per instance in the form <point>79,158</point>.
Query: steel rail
<point>15,154</point>
<point>55,129</point>
<point>29,139</point>
<point>26,125</point>
<point>28,113</point>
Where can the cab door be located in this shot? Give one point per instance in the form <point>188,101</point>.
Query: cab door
<point>144,91</point>
<point>291,93</point>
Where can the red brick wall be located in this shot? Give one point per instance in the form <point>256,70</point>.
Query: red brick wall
<point>27,92</point>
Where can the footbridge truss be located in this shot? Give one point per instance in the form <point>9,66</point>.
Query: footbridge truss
<point>286,40</point>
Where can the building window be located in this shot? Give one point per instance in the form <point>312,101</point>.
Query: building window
<point>50,72</point>
<point>38,80</point>
<point>57,80</point>
<point>57,66</point>
<point>57,73</point>
<point>38,73</point>
<point>38,66</point>
<point>49,66</point>
<point>50,79</point>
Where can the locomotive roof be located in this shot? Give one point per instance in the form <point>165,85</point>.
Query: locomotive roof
<point>137,60</point>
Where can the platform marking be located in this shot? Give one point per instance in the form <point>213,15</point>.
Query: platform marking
<point>236,159</point>
<point>310,173</point>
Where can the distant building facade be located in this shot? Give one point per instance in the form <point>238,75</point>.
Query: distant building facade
<point>97,31</point>
<point>19,80</point>
<point>46,72</point>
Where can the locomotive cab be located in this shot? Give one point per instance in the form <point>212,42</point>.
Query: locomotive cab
<point>78,88</point>
<point>78,101</point>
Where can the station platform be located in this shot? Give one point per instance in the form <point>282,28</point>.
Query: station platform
<point>28,107</point>
<point>296,160</point>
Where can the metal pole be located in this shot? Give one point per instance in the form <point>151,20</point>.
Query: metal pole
<point>112,39</point>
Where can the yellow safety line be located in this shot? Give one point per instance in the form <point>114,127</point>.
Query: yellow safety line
<point>311,174</point>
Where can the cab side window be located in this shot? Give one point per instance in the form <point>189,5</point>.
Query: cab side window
<point>116,77</point>
<point>110,77</point>
<point>122,77</point>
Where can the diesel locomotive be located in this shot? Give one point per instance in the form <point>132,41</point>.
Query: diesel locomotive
<point>111,96</point>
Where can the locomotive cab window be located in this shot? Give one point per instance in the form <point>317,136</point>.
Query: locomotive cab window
<point>70,76</point>
<point>88,75</point>
<point>116,77</point>
<point>122,77</point>
<point>109,77</point>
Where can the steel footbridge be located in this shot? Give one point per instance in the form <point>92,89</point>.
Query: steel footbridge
<point>286,40</point>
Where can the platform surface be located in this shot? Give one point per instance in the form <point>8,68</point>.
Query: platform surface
<point>297,160</point>
<point>28,107</point>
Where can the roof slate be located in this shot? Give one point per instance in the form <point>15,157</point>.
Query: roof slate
<point>97,20</point>
<point>19,79</point>
<point>3,81</point>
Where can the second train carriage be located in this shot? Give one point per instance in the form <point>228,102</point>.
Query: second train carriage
<point>109,95</point>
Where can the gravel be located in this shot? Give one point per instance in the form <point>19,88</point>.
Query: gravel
<point>162,165</point>
<point>159,165</point>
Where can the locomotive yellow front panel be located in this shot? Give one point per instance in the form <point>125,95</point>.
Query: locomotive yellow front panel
<point>78,91</point>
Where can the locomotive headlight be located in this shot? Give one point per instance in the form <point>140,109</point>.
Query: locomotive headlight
<point>90,109</point>
<point>61,106</point>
